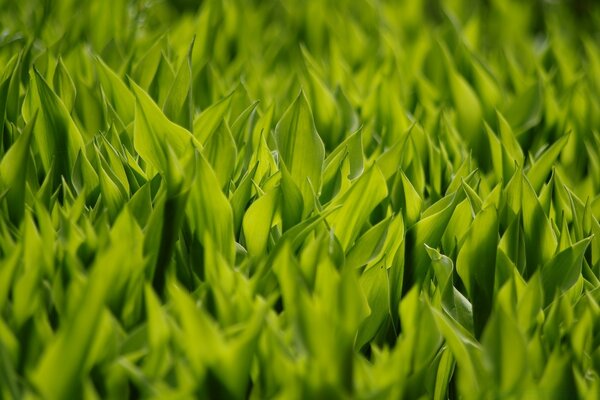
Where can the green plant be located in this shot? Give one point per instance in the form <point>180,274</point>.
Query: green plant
<point>281,199</point>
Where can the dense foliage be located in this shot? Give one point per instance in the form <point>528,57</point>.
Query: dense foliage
<point>299,199</point>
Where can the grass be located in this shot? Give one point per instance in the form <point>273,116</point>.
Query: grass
<point>319,199</point>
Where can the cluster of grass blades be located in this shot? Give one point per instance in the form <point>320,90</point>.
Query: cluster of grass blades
<point>299,199</point>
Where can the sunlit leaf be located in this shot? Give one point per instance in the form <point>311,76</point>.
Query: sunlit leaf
<point>301,148</point>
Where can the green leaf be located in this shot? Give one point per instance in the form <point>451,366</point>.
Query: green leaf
<point>563,270</point>
<point>158,330</point>
<point>221,152</point>
<point>540,169</point>
<point>7,272</point>
<point>116,92</point>
<point>463,349</point>
<point>407,199</point>
<point>428,230</point>
<point>208,210</point>
<point>557,380</point>
<point>468,106</point>
<point>506,349</point>
<point>509,141</point>
<point>210,119</point>
<point>356,205</point>
<point>453,302</point>
<point>58,136</point>
<point>393,157</point>
<point>257,222</point>
<point>352,148</point>
<point>13,172</point>
<point>476,265</point>
<point>368,246</point>
<point>540,241</point>
<point>153,132</point>
<point>525,109</point>
<point>375,285</point>
<point>327,113</point>
<point>179,103</point>
<point>301,148</point>
<point>291,200</point>
<point>63,362</point>
<point>64,85</point>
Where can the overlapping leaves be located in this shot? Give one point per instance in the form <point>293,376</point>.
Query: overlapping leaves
<point>323,200</point>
